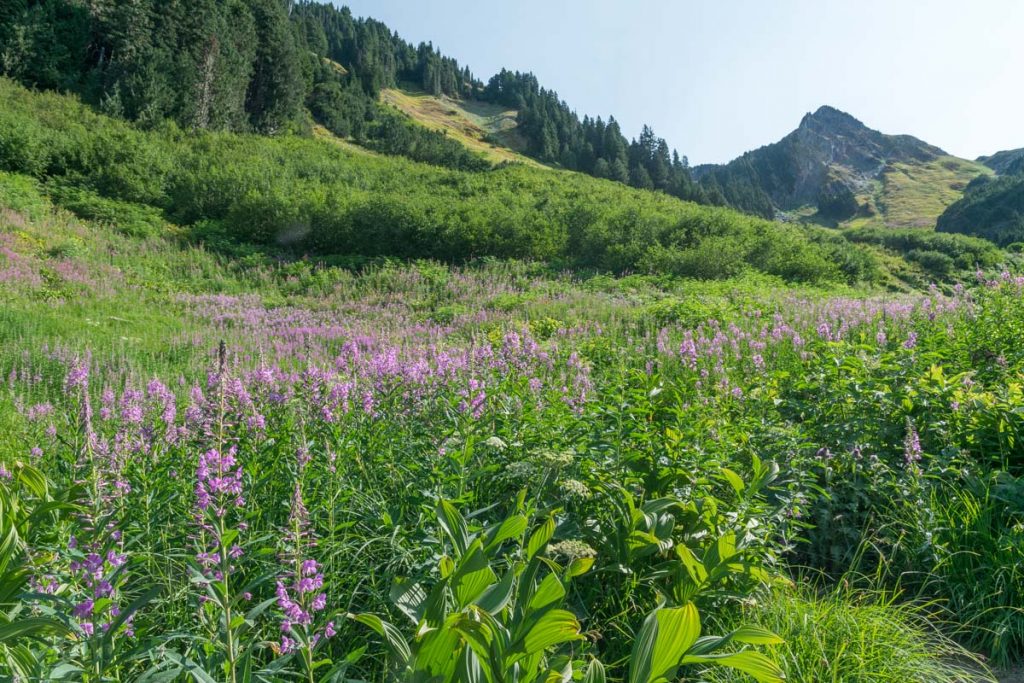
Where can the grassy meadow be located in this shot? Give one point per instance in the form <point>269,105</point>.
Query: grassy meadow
<point>246,437</point>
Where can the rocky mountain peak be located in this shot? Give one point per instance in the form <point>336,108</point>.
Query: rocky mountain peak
<point>830,117</point>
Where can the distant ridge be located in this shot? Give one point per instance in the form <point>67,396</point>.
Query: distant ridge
<point>829,159</point>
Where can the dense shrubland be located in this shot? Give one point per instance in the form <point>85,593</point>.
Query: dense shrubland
<point>301,195</point>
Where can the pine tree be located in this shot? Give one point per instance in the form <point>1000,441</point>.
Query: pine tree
<point>640,178</point>
<point>274,96</point>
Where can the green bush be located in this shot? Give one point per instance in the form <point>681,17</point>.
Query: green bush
<point>23,194</point>
<point>23,146</point>
<point>310,196</point>
<point>965,252</point>
<point>935,262</point>
<point>136,220</point>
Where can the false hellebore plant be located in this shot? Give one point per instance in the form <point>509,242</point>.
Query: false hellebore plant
<point>495,613</point>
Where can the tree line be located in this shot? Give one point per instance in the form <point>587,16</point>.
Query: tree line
<point>261,65</point>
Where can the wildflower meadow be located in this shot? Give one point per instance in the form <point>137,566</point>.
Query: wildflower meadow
<point>240,460</point>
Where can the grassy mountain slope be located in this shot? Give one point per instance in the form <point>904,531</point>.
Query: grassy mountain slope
<point>911,193</point>
<point>914,195</point>
<point>484,128</point>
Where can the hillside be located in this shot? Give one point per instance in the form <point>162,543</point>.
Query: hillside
<point>835,170</point>
<point>484,128</point>
<point>297,195</point>
<point>274,67</point>
<point>992,207</point>
<point>1007,162</point>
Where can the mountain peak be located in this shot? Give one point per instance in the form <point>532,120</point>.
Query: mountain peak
<point>828,161</point>
<point>829,116</point>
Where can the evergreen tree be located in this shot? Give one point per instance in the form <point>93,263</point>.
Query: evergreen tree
<point>273,98</point>
<point>640,178</point>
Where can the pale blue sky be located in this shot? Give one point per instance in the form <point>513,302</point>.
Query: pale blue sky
<point>719,77</point>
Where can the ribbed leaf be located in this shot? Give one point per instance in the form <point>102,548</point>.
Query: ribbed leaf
<point>497,597</point>
<point>540,538</point>
<point>511,528</point>
<point>409,597</point>
<point>664,638</point>
<point>555,627</point>
<point>31,627</point>
<point>734,480</point>
<point>472,577</point>
<point>755,635</point>
<point>751,663</point>
<point>579,566</point>
<point>595,672</point>
<point>437,653</point>
<point>454,525</point>
<point>549,591</point>
<point>393,639</point>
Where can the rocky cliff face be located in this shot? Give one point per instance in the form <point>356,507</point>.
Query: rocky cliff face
<point>830,154</point>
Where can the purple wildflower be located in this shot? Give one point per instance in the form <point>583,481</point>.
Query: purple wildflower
<point>911,445</point>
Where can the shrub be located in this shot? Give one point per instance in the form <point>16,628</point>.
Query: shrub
<point>935,262</point>
<point>136,220</point>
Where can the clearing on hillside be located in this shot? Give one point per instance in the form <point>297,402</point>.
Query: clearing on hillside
<point>482,127</point>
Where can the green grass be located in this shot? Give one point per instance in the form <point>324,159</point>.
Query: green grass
<point>914,196</point>
<point>482,127</point>
<point>907,195</point>
<point>845,636</point>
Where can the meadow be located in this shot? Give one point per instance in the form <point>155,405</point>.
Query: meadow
<point>286,470</point>
<point>228,459</point>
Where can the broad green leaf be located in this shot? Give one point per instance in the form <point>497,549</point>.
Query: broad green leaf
<point>497,597</point>
<point>228,538</point>
<point>512,527</point>
<point>734,480</point>
<point>437,653</point>
<point>393,639</point>
<point>723,549</point>
<point>595,672</point>
<point>664,638</point>
<point>454,525</point>
<point>548,592</point>
<point>408,597</point>
<point>31,627</point>
<point>469,669</point>
<point>694,567</point>
<point>749,662</point>
<point>472,577</point>
<point>63,671</point>
<point>555,627</point>
<point>579,566</point>
<point>755,635</point>
<point>539,539</point>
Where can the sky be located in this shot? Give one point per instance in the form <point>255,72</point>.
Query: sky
<point>716,78</point>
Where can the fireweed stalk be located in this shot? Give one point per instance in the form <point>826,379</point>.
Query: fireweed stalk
<point>300,594</point>
<point>219,492</point>
<point>97,561</point>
